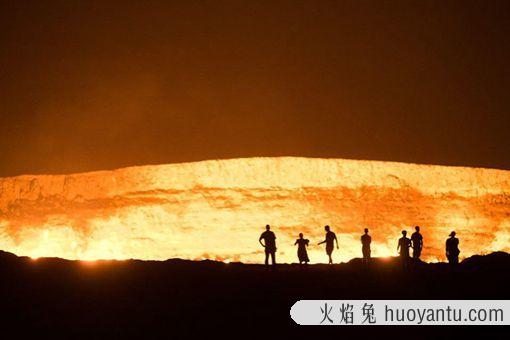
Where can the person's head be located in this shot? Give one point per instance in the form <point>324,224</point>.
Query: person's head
<point>404,233</point>
<point>417,228</point>
<point>326,228</point>
<point>366,230</point>
<point>268,227</point>
<point>452,234</point>
<point>300,235</point>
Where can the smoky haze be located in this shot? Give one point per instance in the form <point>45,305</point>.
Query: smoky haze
<point>88,85</point>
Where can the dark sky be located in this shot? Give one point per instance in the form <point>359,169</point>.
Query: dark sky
<point>89,85</point>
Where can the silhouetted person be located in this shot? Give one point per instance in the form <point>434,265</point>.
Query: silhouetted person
<point>301,251</point>
<point>365,246</point>
<point>452,249</point>
<point>403,245</point>
<point>330,242</point>
<point>269,244</point>
<point>417,242</point>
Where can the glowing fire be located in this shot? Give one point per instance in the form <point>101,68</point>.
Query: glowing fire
<point>217,209</point>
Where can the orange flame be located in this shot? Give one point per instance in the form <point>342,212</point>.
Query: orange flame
<point>217,209</point>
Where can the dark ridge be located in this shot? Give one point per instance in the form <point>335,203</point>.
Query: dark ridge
<point>495,258</point>
<point>190,299</point>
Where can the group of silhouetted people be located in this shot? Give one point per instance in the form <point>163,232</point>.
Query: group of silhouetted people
<point>403,247</point>
<point>270,245</point>
<point>415,242</point>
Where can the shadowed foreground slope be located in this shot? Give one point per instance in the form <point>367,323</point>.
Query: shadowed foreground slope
<point>178,297</point>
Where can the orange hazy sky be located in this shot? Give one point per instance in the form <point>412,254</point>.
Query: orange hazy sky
<point>89,85</point>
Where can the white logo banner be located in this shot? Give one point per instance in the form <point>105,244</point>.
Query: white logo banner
<point>401,312</point>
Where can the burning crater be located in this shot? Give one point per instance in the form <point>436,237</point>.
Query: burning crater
<point>217,209</point>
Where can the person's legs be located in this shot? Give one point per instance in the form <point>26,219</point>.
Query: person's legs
<point>404,260</point>
<point>267,258</point>
<point>453,260</point>
<point>329,251</point>
<point>273,257</point>
<point>366,256</point>
<point>417,253</point>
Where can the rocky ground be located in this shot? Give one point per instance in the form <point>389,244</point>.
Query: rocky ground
<point>186,299</point>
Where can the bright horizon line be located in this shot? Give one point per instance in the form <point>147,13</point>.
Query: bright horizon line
<point>36,258</point>
<point>252,158</point>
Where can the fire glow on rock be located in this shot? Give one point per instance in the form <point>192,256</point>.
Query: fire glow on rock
<point>217,209</point>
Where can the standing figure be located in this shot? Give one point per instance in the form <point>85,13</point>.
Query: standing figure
<point>301,252</point>
<point>417,242</point>
<point>269,244</point>
<point>403,245</point>
<point>452,249</point>
<point>365,246</point>
<point>330,242</point>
